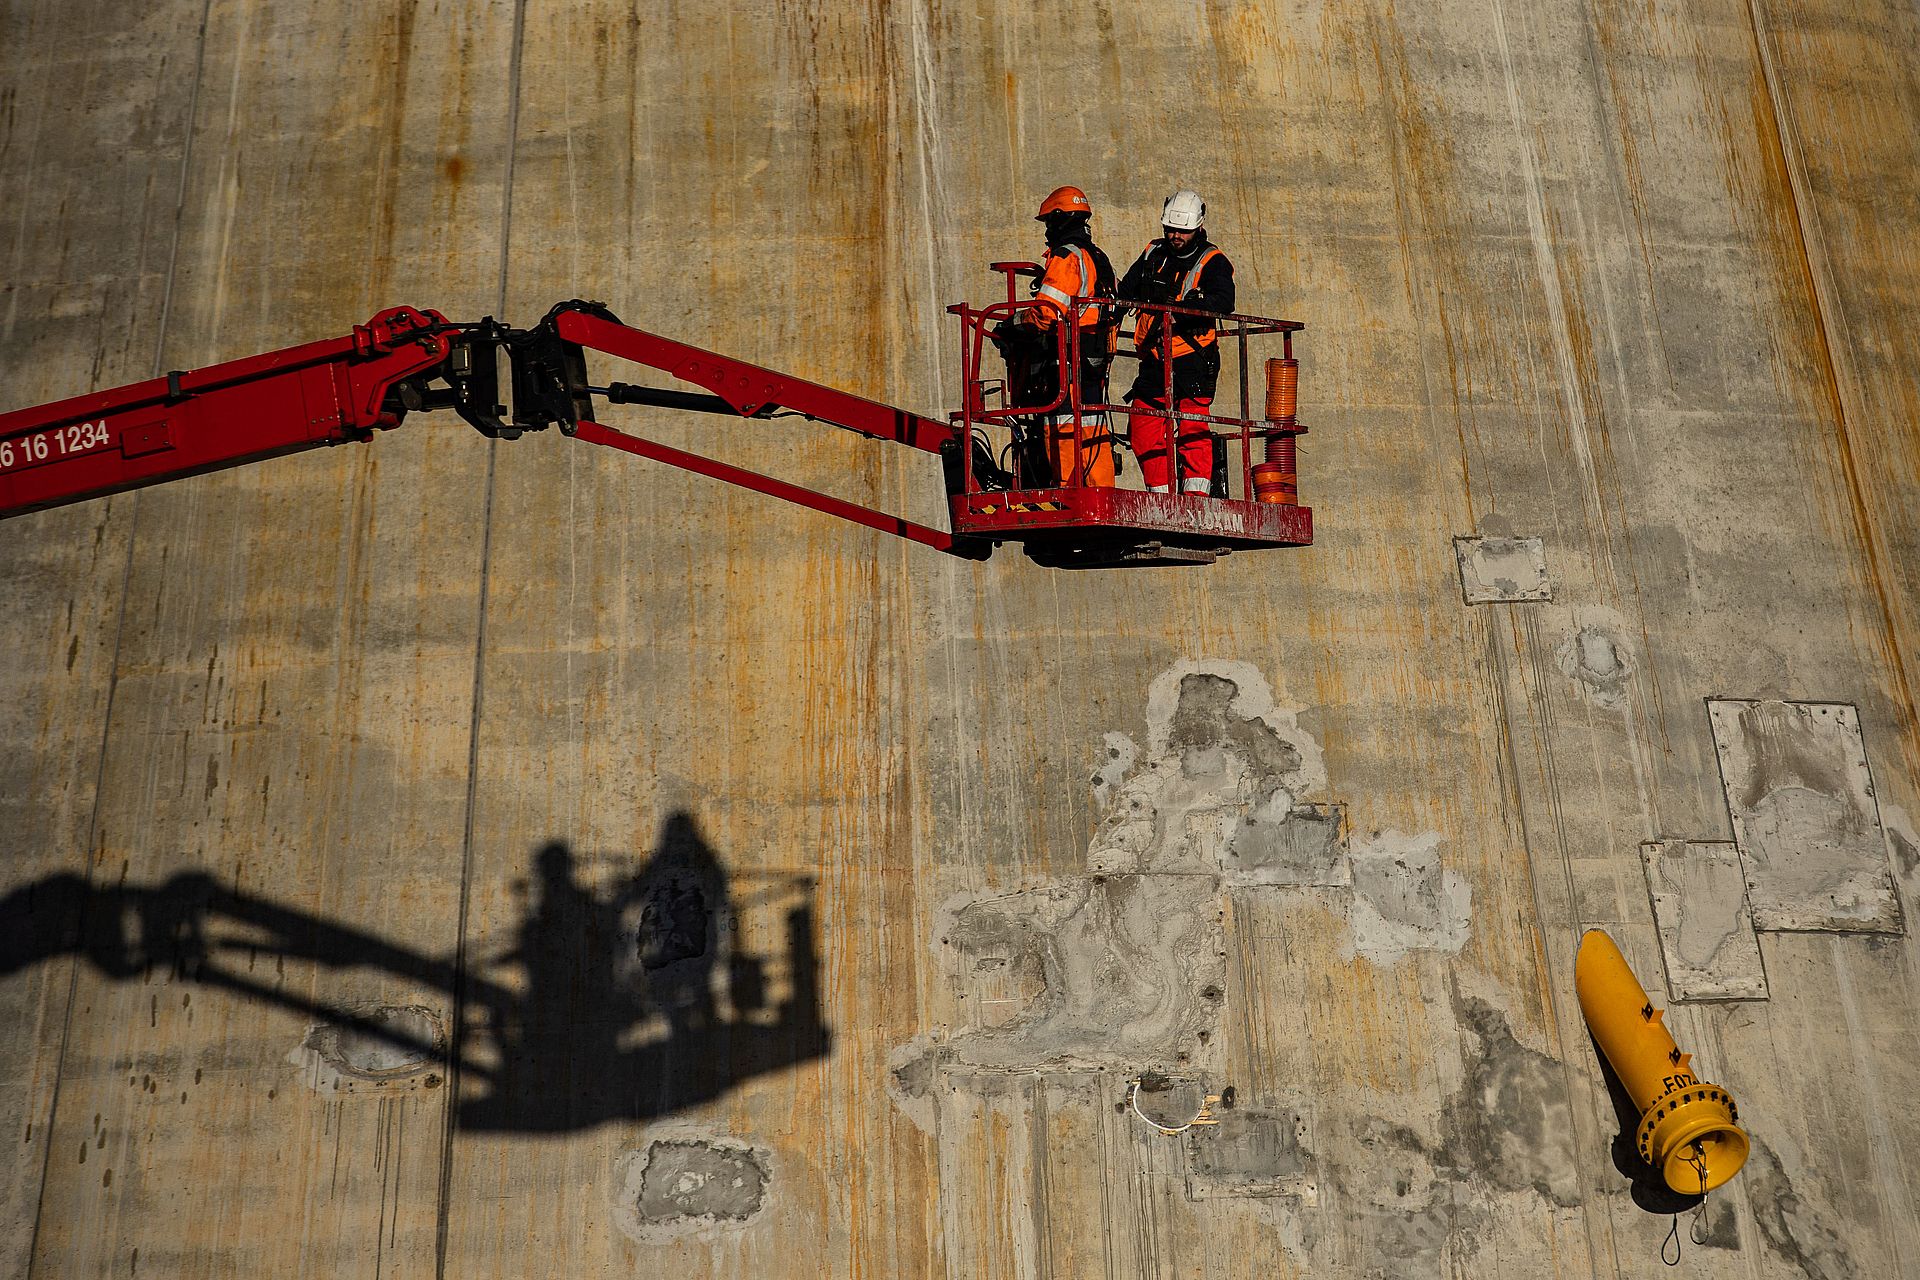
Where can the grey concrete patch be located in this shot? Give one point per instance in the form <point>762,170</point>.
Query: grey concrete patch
<point>1597,659</point>
<point>685,1182</point>
<point>1123,969</point>
<point>1722,1225</point>
<point>1400,1215</point>
<point>1205,720</point>
<point>1906,853</point>
<point>1251,1154</point>
<point>1415,1202</point>
<point>1502,570</point>
<point>1699,891</point>
<point>338,1058</point>
<point>1210,701</point>
<point>1404,900</point>
<point>1280,842</point>
<point>1510,1122</point>
<point>1219,754</point>
<point>1129,970</point>
<point>1903,845</point>
<point>1220,791</point>
<point>1427,1238</point>
<point>1794,1230</point>
<point>1804,816</point>
<point>913,1071</point>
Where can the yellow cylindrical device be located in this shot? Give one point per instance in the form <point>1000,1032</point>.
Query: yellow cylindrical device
<point>1688,1128</point>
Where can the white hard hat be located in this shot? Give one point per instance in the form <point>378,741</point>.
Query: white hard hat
<point>1183,211</point>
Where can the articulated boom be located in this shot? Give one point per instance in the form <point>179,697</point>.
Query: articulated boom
<point>406,360</point>
<point>286,401</point>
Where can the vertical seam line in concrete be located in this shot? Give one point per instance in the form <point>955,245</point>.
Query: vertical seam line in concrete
<point>1425,298</point>
<point>1039,1210</point>
<point>119,637</point>
<point>1880,1135</point>
<point>456,1020</point>
<point>1819,290</point>
<point>93,834</point>
<point>180,196</point>
<point>1509,749</point>
<point>1553,289</point>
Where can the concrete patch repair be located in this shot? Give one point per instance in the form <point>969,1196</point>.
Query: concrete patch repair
<point>1121,972</point>
<point>1107,992</point>
<point>1804,816</point>
<point>1279,843</point>
<point>1902,843</point>
<point>686,1182</point>
<point>1220,788</point>
<point>1796,1230</point>
<point>1596,659</point>
<point>1121,964</point>
<point>1509,1122</point>
<point>337,1058</point>
<point>1251,1154</point>
<point>1404,900</point>
<point>1123,967</point>
<point>1503,570</point>
<point>1707,939</point>
<point>1415,1193</point>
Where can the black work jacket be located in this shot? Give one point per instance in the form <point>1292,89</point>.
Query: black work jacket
<point>1156,277</point>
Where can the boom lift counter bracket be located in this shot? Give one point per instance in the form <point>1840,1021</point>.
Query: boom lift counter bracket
<point>409,360</point>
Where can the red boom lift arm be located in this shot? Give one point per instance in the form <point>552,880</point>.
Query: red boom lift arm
<point>286,401</point>
<point>345,389</point>
<point>406,360</point>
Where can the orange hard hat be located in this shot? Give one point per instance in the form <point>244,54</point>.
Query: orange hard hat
<point>1064,200</point>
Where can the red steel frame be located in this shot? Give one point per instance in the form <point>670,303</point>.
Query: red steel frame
<point>1226,523</point>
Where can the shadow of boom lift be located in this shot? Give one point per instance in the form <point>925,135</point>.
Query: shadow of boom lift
<point>623,1002</point>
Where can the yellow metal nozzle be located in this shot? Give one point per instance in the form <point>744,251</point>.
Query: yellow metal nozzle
<point>1688,1128</point>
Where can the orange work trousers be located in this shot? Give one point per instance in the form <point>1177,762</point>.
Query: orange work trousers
<point>1083,456</point>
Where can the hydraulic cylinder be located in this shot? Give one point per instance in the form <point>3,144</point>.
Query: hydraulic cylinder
<point>1688,1128</point>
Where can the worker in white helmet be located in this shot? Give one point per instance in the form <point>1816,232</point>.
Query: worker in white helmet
<point>1182,268</point>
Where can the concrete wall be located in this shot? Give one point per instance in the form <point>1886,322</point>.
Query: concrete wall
<point>445,858</point>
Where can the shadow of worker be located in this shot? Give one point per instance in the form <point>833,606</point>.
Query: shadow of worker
<point>685,906</point>
<point>558,1037</point>
<point>637,1000</point>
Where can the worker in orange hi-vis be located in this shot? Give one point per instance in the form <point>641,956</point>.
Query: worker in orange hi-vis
<point>1079,453</point>
<point>1185,269</point>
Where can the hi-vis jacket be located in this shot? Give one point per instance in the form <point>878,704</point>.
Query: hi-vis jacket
<point>1071,273</point>
<point>1206,284</point>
